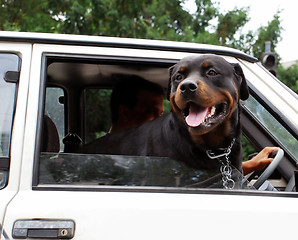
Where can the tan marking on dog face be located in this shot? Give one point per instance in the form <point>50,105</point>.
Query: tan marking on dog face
<point>174,105</point>
<point>182,69</point>
<point>205,97</point>
<point>206,64</point>
<point>232,101</point>
<point>214,137</point>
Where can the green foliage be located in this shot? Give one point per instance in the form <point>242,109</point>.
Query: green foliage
<point>289,76</point>
<point>166,106</point>
<point>271,33</point>
<point>206,11</point>
<point>29,15</point>
<point>166,20</point>
<point>151,19</point>
<point>229,24</point>
<point>248,148</point>
<point>97,102</point>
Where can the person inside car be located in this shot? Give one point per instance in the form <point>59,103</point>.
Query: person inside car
<point>135,101</point>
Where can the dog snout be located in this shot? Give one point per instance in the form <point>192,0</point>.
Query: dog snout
<point>188,87</point>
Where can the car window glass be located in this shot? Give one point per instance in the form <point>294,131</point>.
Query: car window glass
<point>97,121</point>
<point>54,109</point>
<point>8,62</point>
<point>129,171</point>
<point>288,141</point>
<point>97,113</point>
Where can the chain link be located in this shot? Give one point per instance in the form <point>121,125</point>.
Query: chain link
<point>225,168</point>
<point>226,172</point>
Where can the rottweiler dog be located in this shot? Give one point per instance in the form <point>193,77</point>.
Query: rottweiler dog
<point>204,91</point>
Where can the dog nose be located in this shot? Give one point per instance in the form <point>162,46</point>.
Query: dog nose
<point>188,87</point>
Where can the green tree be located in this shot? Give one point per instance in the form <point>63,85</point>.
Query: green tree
<point>229,24</point>
<point>123,18</point>
<point>206,11</point>
<point>271,32</point>
<point>289,76</point>
<point>167,20</point>
<point>79,16</point>
<point>29,15</point>
<point>151,19</point>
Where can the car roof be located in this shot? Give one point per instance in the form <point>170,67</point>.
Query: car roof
<point>118,42</point>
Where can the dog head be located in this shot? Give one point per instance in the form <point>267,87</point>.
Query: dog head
<point>204,92</point>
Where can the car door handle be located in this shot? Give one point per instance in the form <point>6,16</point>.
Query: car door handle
<point>43,229</point>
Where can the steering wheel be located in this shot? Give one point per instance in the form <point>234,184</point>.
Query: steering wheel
<point>270,169</point>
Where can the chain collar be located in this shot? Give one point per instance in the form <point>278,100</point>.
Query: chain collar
<point>225,168</point>
<point>225,152</point>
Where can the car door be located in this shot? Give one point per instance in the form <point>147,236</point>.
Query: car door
<point>61,205</point>
<point>13,88</point>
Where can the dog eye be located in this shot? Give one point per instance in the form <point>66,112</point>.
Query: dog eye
<point>178,77</point>
<point>211,73</point>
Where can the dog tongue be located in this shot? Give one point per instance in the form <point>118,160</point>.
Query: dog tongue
<point>196,115</point>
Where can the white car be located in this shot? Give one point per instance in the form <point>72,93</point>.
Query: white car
<point>56,88</point>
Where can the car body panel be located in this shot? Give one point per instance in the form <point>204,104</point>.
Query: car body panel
<point>121,43</point>
<point>6,194</point>
<point>114,215</point>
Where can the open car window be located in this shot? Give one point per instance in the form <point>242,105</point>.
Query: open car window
<point>77,104</point>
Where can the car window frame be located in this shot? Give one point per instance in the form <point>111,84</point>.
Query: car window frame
<point>79,57</point>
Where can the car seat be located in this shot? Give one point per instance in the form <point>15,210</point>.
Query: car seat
<point>50,138</point>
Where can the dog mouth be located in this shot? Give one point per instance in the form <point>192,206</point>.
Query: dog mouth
<point>196,115</point>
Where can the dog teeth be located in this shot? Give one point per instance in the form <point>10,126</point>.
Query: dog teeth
<point>212,112</point>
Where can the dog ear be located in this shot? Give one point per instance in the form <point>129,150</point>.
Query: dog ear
<point>170,82</point>
<point>244,91</point>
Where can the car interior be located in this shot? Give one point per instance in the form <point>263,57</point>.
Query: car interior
<point>75,111</point>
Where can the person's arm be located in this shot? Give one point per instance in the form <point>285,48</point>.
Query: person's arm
<point>259,162</point>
